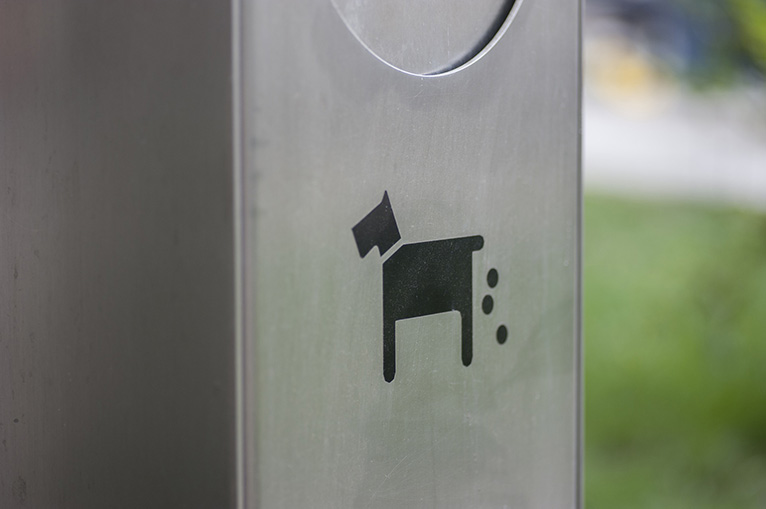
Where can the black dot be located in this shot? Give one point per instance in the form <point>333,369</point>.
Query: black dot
<point>492,278</point>
<point>487,304</point>
<point>502,334</point>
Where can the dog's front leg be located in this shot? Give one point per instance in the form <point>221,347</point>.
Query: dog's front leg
<point>389,346</point>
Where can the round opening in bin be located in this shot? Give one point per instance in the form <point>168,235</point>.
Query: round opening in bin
<point>426,37</point>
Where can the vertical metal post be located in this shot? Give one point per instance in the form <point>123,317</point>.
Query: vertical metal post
<point>290,254</point>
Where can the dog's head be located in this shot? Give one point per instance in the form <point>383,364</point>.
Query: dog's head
<point>378,228</point>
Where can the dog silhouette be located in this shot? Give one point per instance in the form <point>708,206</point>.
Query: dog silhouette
<point>419,279</point>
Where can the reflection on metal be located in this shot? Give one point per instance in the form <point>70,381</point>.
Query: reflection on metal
<point>116,255</point>
<point>186,319</point>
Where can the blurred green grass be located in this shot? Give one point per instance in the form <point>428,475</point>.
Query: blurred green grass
<point>675,356</point>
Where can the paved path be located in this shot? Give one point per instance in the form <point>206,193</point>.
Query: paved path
<point>710,148</point>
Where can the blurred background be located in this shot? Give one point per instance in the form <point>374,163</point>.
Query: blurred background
<point>675,253</point>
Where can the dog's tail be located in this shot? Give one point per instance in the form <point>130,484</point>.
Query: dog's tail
<point>378,228</point>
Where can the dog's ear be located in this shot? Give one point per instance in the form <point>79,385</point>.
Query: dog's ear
<point>378,228</point>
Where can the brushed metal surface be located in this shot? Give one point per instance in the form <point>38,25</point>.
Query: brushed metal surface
<point>490,150</point>
<point>130,285</point>
<point>116,255</point>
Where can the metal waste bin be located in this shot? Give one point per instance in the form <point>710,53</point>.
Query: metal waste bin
<point>316,253</point>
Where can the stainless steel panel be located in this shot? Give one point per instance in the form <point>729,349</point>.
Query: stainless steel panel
<point>116,255</point>
<point>134,275</point>
<point>490,149</point>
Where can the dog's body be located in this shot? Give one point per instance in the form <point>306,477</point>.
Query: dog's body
<point>420,279</point>
<point>424,279</point>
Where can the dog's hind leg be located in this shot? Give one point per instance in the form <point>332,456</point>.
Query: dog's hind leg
<point>466,319</point>
<point>389,348</point>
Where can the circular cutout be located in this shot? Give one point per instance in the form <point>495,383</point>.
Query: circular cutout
<point>487,304</point>
<point>492,278</point>
<point>502,334</point>
<point>425,37</point>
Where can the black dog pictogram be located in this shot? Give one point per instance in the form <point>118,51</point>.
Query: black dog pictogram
<point>419,279</point>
